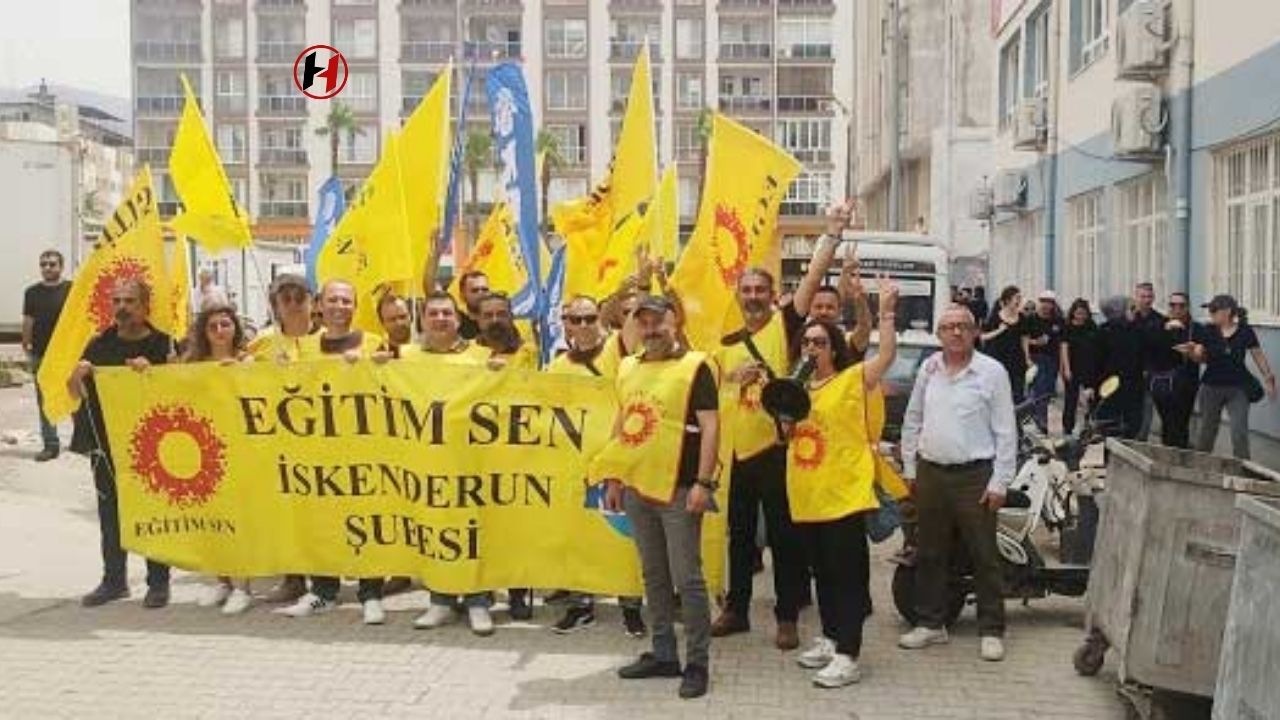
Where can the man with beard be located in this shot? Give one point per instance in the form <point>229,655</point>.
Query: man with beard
<point>131,341</point>
<point>475,287</point>
<point>663,474</point>
<point>397,323</point>
<point>498,333</point>
<point>338,338</point>
<point>41,307</point>
<point>591,354</point>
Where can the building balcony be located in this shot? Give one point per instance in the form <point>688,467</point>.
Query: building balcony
<point>811,155</point>
<point>281,4</point>
<point>745,104</point>
<point>166,51</point>
<point>802,208</point>
<point>283,209</point>
<point>804,103</point>
<point>427,50</point>
<point>158,105</point>
<point>806,4</point>
<point>282,105</point>
<point>153,156</point>
<point>748,51</point>
<point>283,156</point>
<point>629,50</point>
<point>428,5</point>
<point>619,105</point>
<point>731,5</point>
<point>279,51</point>
<point>805,51</point>
<point>233,156</point>
<point>237,104</point>
<point>487,50</point>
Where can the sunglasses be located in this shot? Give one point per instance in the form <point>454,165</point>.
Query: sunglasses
<point>295,296</point>
<point>818,342</point>
<point>581,319</point>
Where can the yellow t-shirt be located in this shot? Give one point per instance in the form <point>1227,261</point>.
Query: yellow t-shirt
<point>310,346</point>
<point>465,353</point>
<point>272,344</point>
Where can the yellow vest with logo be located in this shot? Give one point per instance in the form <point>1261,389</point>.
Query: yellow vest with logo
<point>752,429</point>
<point>272,344</point>
<point>606,362</point>
<point>468,354</point>
<point>309,349</point>
<point>653,402</point>
<point>833,463</point>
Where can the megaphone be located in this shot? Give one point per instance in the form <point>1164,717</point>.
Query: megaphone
<point>787,399</point>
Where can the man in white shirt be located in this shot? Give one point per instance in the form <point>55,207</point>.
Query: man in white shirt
<point>959,448</point>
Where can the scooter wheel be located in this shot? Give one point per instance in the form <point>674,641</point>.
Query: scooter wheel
<point>904,593</point>
<point>1088,658</point>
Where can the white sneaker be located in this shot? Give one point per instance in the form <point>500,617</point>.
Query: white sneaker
<point>481,622</point>
<point>818,654</point>
<point>213,595</point>
<point>991,649</point>
<point>842,670</point>
<point>237,602</point>
<point>309,604</point>
<point>923,637</point>
<point>373,612</point>
<point>435,616</point>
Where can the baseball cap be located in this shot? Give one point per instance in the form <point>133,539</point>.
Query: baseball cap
<point>1221,302</point>
<point>653,303</point>
<point>285,280</point>
<point>1049,296</point>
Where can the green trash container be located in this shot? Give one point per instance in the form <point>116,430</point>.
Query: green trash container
<point>1248,683</point>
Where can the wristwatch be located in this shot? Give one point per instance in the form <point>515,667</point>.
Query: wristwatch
<point>709,484</point>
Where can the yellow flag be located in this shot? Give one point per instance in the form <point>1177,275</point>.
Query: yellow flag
<point>747,177</point>
<point>209,210</point>
<point>584,225</point>
<point>425,148</point>
<point>180,280</point>
<point>661,233</point>
<point>131,247</point>
<point>495,254</point>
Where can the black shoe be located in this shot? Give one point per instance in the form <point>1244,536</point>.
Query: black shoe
<point>557,597</point>
<point>46,454</point>
<point>105,593</point>
<point>519,607</point>
<point>575,618</point>
<point>695,682</point>
<point>649,666</point>
<point>633,622</point>
<point>156,597</point>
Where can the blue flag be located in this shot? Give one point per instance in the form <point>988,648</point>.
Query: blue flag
<point>330,203</point>
<point>550,326</point>
<point>513,140</point>
<point>455,166</point>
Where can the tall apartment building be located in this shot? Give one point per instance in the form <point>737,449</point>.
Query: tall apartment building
<point>784,67</point>
<point>1139,141</point>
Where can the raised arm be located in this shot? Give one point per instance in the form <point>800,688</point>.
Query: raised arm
<point>838,218</point>
<point>875,368</point>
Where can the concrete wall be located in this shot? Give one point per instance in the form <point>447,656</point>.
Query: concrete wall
<point>36,201</point>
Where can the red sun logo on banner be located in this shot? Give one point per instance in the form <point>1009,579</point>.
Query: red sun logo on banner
<point>178,423</point>
<point>808,446</point>
<point>730,234</point>
<point>101,312</point>
<point>604,267</point>
<point>639,422</point>
<point>749,397</point>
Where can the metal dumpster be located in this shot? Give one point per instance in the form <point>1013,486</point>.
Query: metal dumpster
<point>1247,679</point>
<point>1162,566</point>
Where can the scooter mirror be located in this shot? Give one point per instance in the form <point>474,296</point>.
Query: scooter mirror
<point>1109,387</point>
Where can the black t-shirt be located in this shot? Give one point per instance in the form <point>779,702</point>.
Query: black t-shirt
<point>1225,356</point>
<point>1052,327</point>
<point>704,396</point>
<point>1007,346</point>
<point>1120,354</point>
<point>468,329</point>
<point>110,350</point>
<point>43,304</point>
<point>1082,351</point>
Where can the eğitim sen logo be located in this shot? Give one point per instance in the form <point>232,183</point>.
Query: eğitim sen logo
<point>178,455</point>
<point>320,72</point>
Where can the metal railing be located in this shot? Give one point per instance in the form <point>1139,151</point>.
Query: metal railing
<point>803,103</point>
<point>278,50</point>
<point>630,50</point>
<point>230,103</point>
<point>281,105</point>
<point>166,51</point>
<point>485,50</point>
<point>566,50</point>
<point>283,209</point>
<point>158,105</point>
<point>747,4</point>
<point>741,103</point>
<point>282,156</point>
<point>810,155</point>
<point>813,4</point>
<point>427,50</point>
<point>745,51</point>
<point>233,155</point>
<point>154,156</point>
<point>806,51</point>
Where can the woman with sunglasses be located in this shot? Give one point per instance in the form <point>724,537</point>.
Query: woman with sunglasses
<point>833,468</point>
<point>217,336</point>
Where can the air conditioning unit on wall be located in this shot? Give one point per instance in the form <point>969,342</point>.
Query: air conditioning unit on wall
<point>1142,52</point>
<point>982,201</point>
<point>1010,190</point>
<point>1030,124</point>
<point>1138,120</point>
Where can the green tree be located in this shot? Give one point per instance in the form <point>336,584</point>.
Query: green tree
<point>706,118</point>
<point>477,155</point>
<point>553,160</point>
<point>341,122</point>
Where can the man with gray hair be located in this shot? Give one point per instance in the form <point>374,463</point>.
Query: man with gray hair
<point>959,449</point>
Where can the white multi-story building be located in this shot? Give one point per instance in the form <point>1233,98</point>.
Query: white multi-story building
<point>780,66</point>
<point>1139,141</point>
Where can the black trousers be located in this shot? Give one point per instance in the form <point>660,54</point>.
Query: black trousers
<point>841,563</point>
<point>762,480</point>
<point>1175,410</point>
<point>327,588</point>
<point>1123,413</point>
<point>1070,404</point>
<point>114,559</point>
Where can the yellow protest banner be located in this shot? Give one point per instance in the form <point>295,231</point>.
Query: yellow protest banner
<point>466,478</point>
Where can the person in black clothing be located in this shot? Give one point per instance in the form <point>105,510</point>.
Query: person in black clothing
<point>978,305</point>
<point>1045,342</point>
<point>1079,359</point>
<point>1150,323</point>
<point>474,286</point>
<point>1120,349</point>
<point>130,341</point>
<point>41,306</point>
<point>1222,346</point>
<point>1173,379</point>
<point>1004,338</point>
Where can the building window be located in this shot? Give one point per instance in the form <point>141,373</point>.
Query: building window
<point>282,196</point>
<point>229,92</point>
<point>745,40</point>
<point>231,144</point>
<point>357,39</point>
<point>688,143</point>
<point>1144,233</point>
<point>572,141</point>
<point>808,194</point>
<point>1082,259</point>
<point>1089,34</point>
<point>361,92</point>
<point>1036,65</point>
<point>359,147</point>
<point>1009,78</point>
<point>626,37</point>
<point>806,36</point>
<point>808,140</point>
<point>1246,246</point>
<point>566,90</point>
<point>228,38</point>
<point>689,90</point>
<point>689,38</point>
<point>566,38</point>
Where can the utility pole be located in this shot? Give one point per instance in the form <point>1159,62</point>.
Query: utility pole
<point>895,120</point>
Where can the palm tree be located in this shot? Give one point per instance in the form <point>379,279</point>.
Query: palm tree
<point>477,155</point>
<point>340,121</point>
<point>706,118</point>
<point>553,160</point>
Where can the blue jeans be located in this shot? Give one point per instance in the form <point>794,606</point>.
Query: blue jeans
<point>48,431</point>
<point>1044,387</point>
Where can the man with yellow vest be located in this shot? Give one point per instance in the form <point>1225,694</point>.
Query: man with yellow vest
<point>338,339</point>
<point>498,332</point>
<point>592,354</point>
<point>833,468</point>
<point>660,465</point>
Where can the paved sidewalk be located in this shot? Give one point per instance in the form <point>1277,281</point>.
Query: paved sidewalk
<point>59,660</point>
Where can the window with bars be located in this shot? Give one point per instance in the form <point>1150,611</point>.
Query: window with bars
<point>572,141</point>
<point>231,143</point>
<point>1089,34</point>
<point>1143,222</point>
<point>1246,244</point>
<point>688,142</point>
<point>1085,234</point>
<point>689,88</point>
<point>566,37</point>
<point>808,140</point>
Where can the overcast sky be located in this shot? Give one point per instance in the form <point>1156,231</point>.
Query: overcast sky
<point>80,43</point>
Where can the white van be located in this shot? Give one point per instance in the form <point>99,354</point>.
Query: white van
<point>920,266</point>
